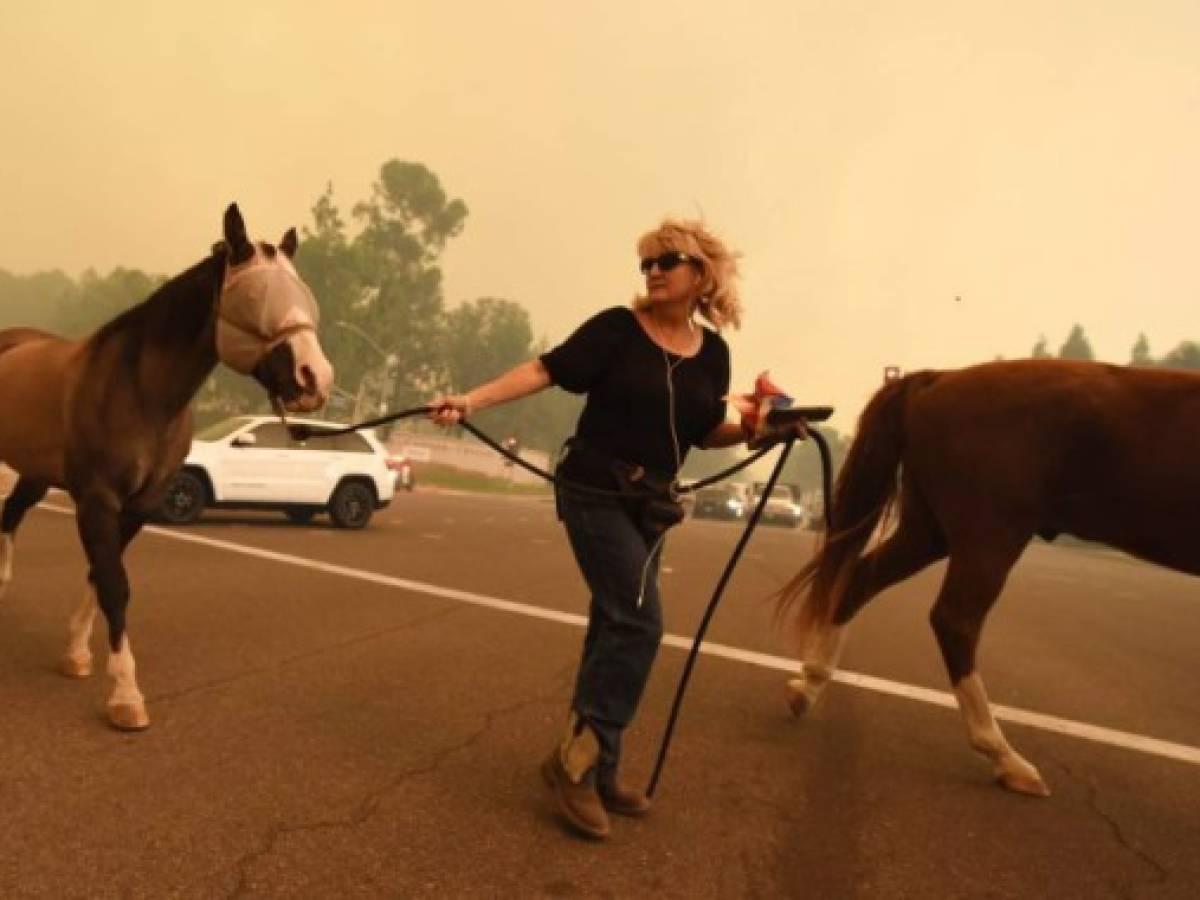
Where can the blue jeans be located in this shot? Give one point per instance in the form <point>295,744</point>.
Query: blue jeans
<point>619,564</point>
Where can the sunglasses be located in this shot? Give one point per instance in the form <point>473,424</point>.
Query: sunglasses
<point>666,261</point>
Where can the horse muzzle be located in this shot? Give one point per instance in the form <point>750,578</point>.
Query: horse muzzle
<point>296,373</point>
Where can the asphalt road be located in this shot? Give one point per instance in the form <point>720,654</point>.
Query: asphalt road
<point>363,714</point>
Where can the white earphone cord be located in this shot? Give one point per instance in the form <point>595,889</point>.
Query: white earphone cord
<point>678,463</point>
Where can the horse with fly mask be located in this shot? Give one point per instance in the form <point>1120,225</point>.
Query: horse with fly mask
<point>107,418</point>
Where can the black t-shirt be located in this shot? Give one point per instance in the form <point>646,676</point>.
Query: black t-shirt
<point>624,374</point>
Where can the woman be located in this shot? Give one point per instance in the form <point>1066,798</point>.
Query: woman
<point>656,385</point>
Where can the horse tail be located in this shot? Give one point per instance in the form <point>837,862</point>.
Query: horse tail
<point>867,488</point>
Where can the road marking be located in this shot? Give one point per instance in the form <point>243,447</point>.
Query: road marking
<point>1083,730</point>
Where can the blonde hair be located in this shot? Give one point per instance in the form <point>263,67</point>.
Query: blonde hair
<point>719,302</point>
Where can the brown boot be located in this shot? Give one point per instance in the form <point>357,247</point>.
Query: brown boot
<point>623,800</point>
<point>570,774</point>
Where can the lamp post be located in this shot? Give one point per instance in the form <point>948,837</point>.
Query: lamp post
<point>350,326</point>
<point>389,363</point>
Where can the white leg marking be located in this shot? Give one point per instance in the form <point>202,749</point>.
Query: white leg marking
<point>1010,768</point>
<point>820,659</point>
<point>6,561</point>
<point>77,661</point>
<point>126,706</point>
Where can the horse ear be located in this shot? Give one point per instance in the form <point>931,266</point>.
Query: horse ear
<point>289,243</point>
<point>240,248</point>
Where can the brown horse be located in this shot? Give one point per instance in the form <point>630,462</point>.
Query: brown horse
<point>970,465</point>
<point>107,418</point>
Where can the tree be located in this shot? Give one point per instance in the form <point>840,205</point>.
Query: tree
<point>100,298</point>
<point>1140,355</point>
<point>380,291</point>
<point>1039,349</point>
<point>547,419</point>
<point>1076,346</point>
<point>803,467</point>
<point>328,263</point>
<point>1185,356</point>
<point>543,421</point>
<point>34,301</point>
<point>483,339</point>
<point>407,222</point>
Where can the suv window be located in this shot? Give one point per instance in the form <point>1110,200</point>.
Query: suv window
<point>316,442</point>
<point>342,443</point>
<point>219,430</point>
<point>271,435</point>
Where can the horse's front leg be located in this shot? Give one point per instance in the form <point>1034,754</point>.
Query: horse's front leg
<point>77,660</point>
<point>105,532</point>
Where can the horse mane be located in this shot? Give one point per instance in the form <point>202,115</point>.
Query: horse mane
<point>167,305</point>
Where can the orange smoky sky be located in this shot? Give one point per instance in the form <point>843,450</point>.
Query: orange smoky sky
<point>919,184</point>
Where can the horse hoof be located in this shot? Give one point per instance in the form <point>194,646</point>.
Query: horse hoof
<point>128,716</point>
<point>797,697</point>
<point>75,666</point>
<point>1028,783</point>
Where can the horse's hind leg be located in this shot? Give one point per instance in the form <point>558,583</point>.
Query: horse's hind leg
<point>915,544</point>
<point>973,582</point>
<point>26,492</point>
<point>105,533</point>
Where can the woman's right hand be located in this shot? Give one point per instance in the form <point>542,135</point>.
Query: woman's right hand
<point>449,409</point>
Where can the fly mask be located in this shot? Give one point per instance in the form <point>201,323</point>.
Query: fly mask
<point>263,304</point>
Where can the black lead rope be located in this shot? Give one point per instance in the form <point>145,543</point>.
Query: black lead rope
<point>303,432</point>
<point>712,607</point>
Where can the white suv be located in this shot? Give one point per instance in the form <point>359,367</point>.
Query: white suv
<point>251,462</point>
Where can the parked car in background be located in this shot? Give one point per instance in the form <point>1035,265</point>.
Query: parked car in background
<point>252,462</point>
<point>782,508</point>
<point>727,501</point>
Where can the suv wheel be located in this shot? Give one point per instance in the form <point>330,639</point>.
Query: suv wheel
<point>184,500</point>
<point>351,505</point>
<point>301,515</point>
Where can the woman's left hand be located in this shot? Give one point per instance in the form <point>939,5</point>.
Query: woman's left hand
<point>449,409</point>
